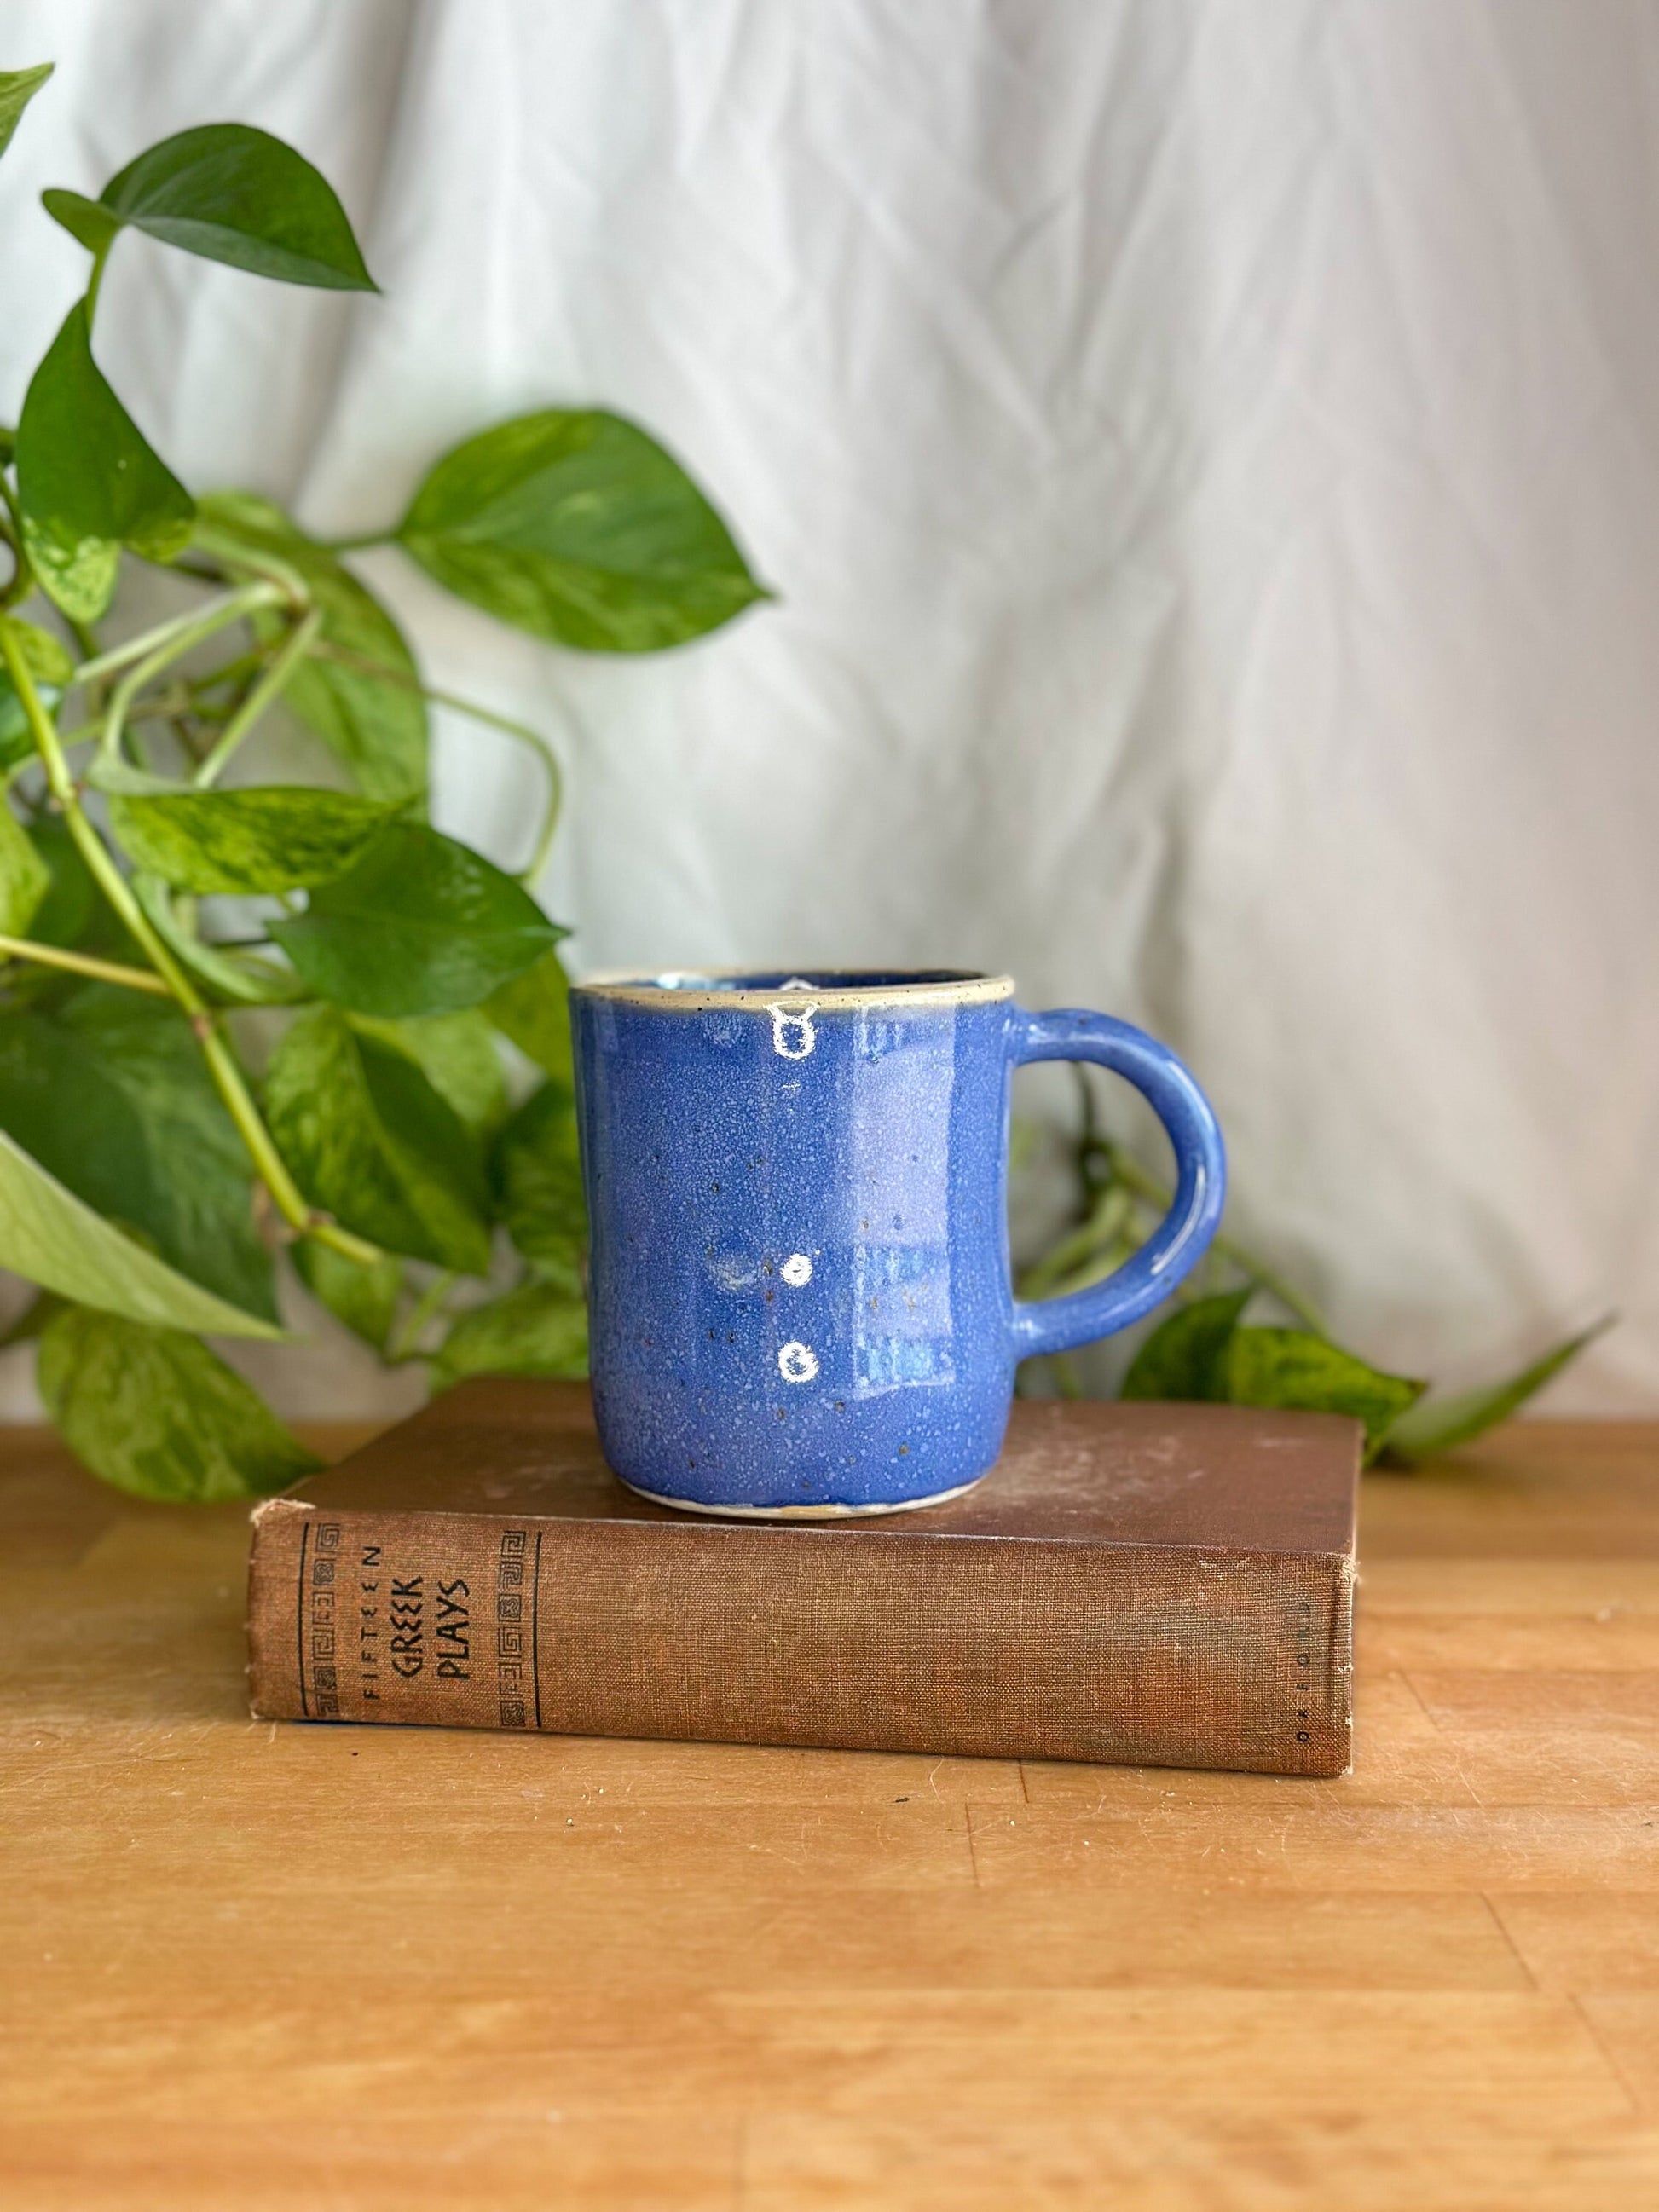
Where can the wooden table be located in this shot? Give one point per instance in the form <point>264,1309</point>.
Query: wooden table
<point>251,1967</point>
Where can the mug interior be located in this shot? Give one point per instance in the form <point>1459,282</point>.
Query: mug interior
<point>798,979</point>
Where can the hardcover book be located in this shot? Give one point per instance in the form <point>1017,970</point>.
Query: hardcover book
<point>1167,1585</point>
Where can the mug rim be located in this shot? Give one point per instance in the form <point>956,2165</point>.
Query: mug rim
<point>675,990</point>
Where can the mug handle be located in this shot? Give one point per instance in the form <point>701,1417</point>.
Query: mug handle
<point>1182,1238</point>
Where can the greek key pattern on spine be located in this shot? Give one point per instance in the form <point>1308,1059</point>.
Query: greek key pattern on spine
<point>320,1613</point>
<point>509,1628</point>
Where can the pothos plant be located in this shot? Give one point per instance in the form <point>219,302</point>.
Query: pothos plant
<point>243,1017</point>
<point>250,1019</point>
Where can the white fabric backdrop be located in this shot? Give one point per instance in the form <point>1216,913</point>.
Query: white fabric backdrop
<point>1209,455</point>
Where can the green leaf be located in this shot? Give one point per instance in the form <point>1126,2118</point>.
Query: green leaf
<point>375,724</point>
<point>25,878</point>
<point>202,1217</point>
<point>1294,1368</point>
<point>88,482</point>
<point>536,1169</point>
<point>155,1411</point>
<point>1185,1356</point>
<point>74,914</point>
<point>364,1298</point>
<point>87,222</point>
<point>244,978</point>
<point>273,837</point>
<point>17,89</point>
<point>420,925</point>
<point>1440,1425</point>
<point>110,1096</point>
<point>51,667</point>
<point>535,1330</point>
<point>457,1055</point>
<point>368,1139</point>
<point>580,528</point>
<point>16,740</point>
<point>234,194</point>
<point>46,658</point>
<point>533,1011</point>
<point>72,907</point>
<point>50,1237</point>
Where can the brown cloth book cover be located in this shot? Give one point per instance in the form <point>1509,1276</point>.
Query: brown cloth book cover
<point>1160,1585</point>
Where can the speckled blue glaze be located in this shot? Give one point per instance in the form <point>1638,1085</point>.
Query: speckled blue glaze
<point>799,1282</point>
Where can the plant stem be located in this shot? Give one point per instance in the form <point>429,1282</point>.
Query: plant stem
<point>94,282</point>
<point>1100,1264</point>
<point>105,663</point>
<point>404,1342</point>
<point>221,1061</point>
<point>196,629</point>
<point>20,582</point>
<point>1105,1226</point>
<point>1270,1280</point>
<point>231,554</point>
<point>539,745</point>
<point>269,688</point>
<point>227,672</point>
<point>1129,1172</point>
<point>359,544</point>
<point>521,730</point>
<point>82,963</point>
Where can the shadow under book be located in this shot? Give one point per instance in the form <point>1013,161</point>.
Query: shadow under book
<point>1145,1584</point>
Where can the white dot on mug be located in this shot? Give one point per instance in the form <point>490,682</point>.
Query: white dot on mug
<point>797,1363</point>
<point>796,1270</point>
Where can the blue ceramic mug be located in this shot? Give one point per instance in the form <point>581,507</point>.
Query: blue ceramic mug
<point>798,1278</point>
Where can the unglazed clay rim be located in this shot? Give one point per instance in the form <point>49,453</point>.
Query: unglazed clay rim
<point>799,1512</point>
<point>964,990</point>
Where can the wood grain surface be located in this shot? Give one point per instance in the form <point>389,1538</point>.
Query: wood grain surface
<point>258,1965</point>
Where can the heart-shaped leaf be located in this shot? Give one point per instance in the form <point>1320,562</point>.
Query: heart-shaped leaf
<point>231,193</point>
<point>580,528</point>
<point>535,1330</point>
<point>274,837</point>
<point>368,1139</point>
<point>364,1298</point>
<point>49,1236</point>
<point>420,925</point>
<point>88,482</point>
<point>155,1411</point>
<point>536,1169</point>
<point>1185,1356</point>
<point>1292,1368</point>
<point>25,878</point>
<point>1440,1425</point>
<point>110,1094</point>
<point>17,89</point>
<point>366,707</point>
<point>459,1057</point>
<point>533,1010</point>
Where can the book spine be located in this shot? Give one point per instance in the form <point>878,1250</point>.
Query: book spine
<point>1142,1655</point>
